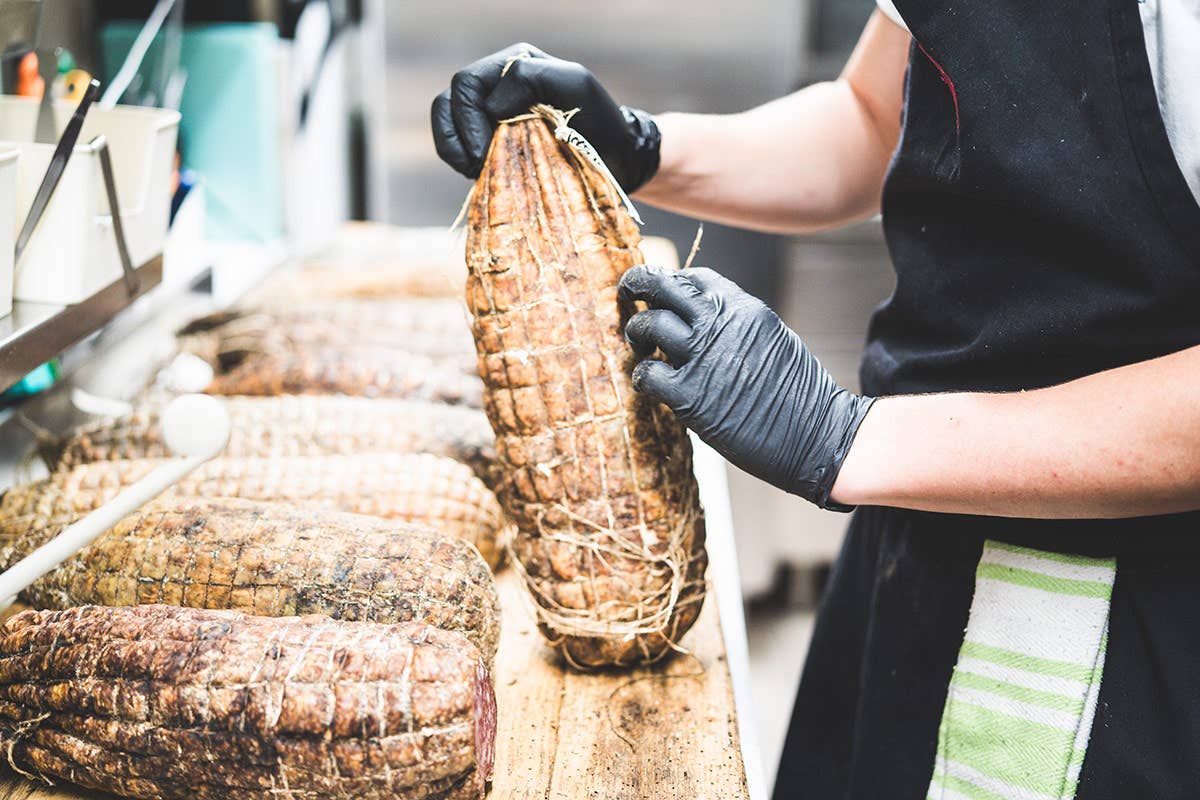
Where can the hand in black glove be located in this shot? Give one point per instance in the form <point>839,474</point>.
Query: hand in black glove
<point>741,379</point>
<point>511,81</point>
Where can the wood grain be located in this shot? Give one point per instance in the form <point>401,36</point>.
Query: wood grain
<point>667,731</point>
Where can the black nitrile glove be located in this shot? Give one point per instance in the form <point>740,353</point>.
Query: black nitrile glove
<point>741,379</point>
<point>479,96</point>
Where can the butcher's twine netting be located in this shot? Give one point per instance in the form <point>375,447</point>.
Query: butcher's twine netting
<point>654,565</point>
<point>578,146</point>
<point>658,589</point>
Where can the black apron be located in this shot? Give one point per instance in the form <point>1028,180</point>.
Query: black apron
<point>1041,230</point>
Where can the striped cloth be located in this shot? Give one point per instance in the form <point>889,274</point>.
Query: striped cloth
<point>1023,694</point>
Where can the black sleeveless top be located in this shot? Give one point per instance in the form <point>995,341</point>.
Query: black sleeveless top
<point>1041,230</point>
<point>1040,226</point>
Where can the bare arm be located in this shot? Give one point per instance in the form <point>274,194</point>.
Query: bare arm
<point>1120,443</point>
<point>812,160</point>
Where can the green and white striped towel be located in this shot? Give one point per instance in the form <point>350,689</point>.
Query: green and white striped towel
<point>1023,694</point>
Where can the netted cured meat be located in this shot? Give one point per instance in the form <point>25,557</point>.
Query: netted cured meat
<point>610,535</point>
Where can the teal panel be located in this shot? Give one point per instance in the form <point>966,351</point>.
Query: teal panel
<point>230,128</point>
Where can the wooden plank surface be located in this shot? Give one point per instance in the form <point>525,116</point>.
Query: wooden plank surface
<point>669,731</point>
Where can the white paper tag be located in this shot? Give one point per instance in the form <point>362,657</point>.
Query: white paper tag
<point>574,139</point>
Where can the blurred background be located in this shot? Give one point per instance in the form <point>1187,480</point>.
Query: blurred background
<point>358,78</point>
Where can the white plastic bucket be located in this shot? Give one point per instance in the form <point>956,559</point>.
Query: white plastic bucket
<point>73,253</point>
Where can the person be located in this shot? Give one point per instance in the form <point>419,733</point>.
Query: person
<point>1016,609</point>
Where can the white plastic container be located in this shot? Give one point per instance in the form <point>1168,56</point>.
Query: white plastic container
<point>73,252</point>
<point>8,209</point>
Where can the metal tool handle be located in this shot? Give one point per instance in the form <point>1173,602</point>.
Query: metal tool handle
<point>100,145</point>
<point>133,60</point>
<point>54,172</point>
<point>314,81</point>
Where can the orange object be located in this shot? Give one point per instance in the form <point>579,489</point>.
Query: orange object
<point>29,82</point>
<point>74,84</point>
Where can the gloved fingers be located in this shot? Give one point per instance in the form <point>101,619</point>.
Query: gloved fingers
<point>535,80</point>
<point>660,381</point>
<point>728,296</point>
<point>445,136</point>
<point>475,128</point>
<point>710,281</point>
<point>469,89</point>
<point>513,51</point>
<point>662,329</point>
<point>663,288</point>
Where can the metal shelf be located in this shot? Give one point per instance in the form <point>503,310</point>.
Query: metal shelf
<point>35,333</point>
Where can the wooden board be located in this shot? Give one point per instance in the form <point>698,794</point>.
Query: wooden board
<point>669,731</point>
<point>664,732</point>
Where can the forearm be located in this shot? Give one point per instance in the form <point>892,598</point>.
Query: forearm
<point>1121,443</point>
<point>805,162</point>
<point>814,159</point>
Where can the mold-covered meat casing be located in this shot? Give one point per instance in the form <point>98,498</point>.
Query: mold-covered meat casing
<point>361,372</point>
<point>273,427</point>
<point>168,703</point>
<point>361,281</point>
<point>438,329</point>
<point>610,529</point>
<point>373,318</point>
<point>427,490</point>
<point>271,560</point>
<point>372,260</point>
